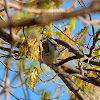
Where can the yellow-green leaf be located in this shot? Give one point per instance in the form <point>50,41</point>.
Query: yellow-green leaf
<point>72,24</point>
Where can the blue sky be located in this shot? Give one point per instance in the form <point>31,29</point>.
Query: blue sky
<point>47,86</point>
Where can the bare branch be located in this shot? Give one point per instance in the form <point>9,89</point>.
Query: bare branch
<point>95,39</point>
<point>7,67</point>
<point>19,7</point>
<point>66,60</point>
<point>68,36</point>
<point>92,22</point>
<point>71,87</point>
<point>8,49</point>
<point>89,79</point>
<point>50,79</point>
<point>10,93</point>
<point>91,70</point>
<point>67,82</point>
<point>45,19</point>
<point>83,6</point>
<point>65,70</point>
<point>7,62</point>
<point>78,54</point>
<point>69,47</point>
<point>5,36</point>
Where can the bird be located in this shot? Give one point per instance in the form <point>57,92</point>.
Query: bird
<point>50,51</point>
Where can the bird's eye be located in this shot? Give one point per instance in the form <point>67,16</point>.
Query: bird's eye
<point>44,44</point>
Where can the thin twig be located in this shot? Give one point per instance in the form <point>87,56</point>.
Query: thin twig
<point>95,39</point>
<point>95,70</point>
<point>11,93</point>
<point>49,77</point>
<point>89,17</point>
<point>80,88</point>
<point>68,36</point>
<point>97,49</point>
<point>92,22</point>
<point>14,86</point>
<point>21,78</point>
<point>83,6</point>
<point>8,67</point>
<point>8,60</point>
<point>7,49</point>
<point>76,52</point>
<point>26,87</point>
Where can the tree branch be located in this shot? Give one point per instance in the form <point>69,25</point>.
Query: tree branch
<point>65,69</point>
<point>89,79</point>
<point>8,49</point>
<point>20,7</point>
<point>89,22</point>
<point>5,36</point>
<point>91,70</point>
<point>47,19</point>
<point>71,87</point>
<point>67,82</point>
<point>11,93</point>
<point>66,60</point>
<point>76,52</point>
<point>95,39</point>
<point>70,48</point>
